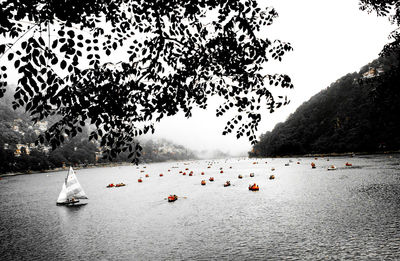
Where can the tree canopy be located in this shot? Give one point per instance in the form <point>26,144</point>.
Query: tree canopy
<point>390,9</point>
<point>175,55</point>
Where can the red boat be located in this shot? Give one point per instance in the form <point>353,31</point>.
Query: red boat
<point>110,185</point>
<point>172,198</point>
<point>254,187</point>
<point>203,182</point>
<point>348,164</point>
<point>211,179</point>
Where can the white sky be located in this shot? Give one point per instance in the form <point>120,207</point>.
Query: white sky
<point>330,39</point>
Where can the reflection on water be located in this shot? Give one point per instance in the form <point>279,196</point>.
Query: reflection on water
<point>304,213</point>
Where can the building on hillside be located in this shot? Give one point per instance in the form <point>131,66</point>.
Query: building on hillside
<point>98,155</point>
<point>45,149</point>
<point>18,150</point>
<point>42,125</point>
<point>373,72</point>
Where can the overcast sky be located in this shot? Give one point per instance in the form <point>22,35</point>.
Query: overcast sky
<point>330,39</point>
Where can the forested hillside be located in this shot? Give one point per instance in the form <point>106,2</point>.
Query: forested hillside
<point>360,112</point>
<point>19,153</point>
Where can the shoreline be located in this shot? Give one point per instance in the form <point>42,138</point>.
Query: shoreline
<point>331,154</point>
<point>105,165</point>
<point>99,165</point>
<point>109,165</point>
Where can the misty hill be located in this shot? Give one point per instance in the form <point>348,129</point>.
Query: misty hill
<point>357,113</point>
<point>19,153</point>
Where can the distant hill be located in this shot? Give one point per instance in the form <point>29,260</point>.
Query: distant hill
<point>18,152</point>
<point>360,112</point>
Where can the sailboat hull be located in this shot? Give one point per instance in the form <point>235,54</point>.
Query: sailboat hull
<point>68,204</point>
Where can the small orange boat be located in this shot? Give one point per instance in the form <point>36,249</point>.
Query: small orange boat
<point>203,182</point>
<point>227,183</point>
<point>211,179</point>
<point>240,176</point>
<point>251,174</point>
<point>348,164</point>
<point>110,185</point>
<point>208,167</point>
<point>332,167</point>
<point>272,177</point>
<point>313,165</point>
<point>254,187</point>
<point>172,198</point>
<point>147,175</point>
<point>120,185</point>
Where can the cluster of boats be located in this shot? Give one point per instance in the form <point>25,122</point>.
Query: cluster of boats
<point>112,185</point>
<point>331,167</point>
<point>72,192</point>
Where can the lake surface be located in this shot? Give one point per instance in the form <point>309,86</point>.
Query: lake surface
<point>303,214</point>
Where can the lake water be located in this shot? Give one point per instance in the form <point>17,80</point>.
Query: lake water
<point>303,214</point>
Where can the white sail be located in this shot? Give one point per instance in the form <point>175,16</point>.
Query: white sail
<point>74,189</point>
<point>62,198</point>
<point>71,188</point>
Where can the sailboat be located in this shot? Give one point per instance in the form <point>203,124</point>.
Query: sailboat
<point>71,191</point>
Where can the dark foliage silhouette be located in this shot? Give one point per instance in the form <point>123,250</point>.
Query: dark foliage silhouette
<point>176,55</point>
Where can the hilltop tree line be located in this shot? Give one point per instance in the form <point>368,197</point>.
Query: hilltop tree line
<point>357,113</point>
